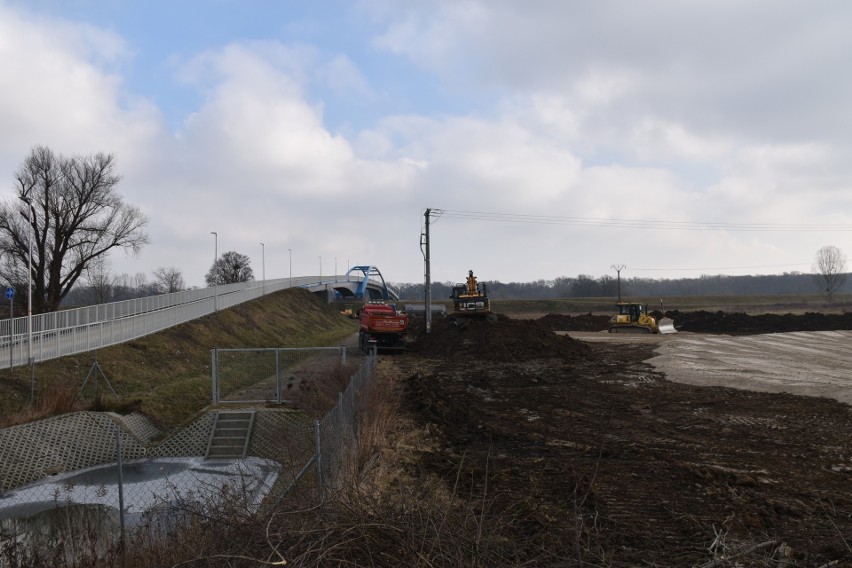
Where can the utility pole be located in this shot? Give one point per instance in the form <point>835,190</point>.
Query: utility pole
<point>424,247</point>
<point>618,268</point>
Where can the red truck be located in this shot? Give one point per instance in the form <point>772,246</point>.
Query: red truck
<point>382,326</point>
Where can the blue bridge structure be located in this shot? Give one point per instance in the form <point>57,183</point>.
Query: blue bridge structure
<point>360,283</point>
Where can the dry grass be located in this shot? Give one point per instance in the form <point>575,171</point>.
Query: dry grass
<point>386,513</point>
<point>60,397</point>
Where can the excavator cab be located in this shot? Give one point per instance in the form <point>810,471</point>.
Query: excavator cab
<point>470,298</point>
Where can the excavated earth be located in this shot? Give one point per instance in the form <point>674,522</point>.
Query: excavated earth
<point>586,455</point>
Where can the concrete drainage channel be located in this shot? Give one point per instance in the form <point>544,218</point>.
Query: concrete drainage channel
<point>63,471</point>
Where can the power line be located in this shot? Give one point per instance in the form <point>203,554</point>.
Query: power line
<point>609,222</point>
<point>719,267</point>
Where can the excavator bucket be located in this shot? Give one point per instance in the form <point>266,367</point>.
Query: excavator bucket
<point>666,325</point>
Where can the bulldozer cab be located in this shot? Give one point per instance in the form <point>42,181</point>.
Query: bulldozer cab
<point>633,311</point>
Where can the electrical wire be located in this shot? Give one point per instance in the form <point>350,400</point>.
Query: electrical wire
<point>609,222</point>
<point>718,267</point>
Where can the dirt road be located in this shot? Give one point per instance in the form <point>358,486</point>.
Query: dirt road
<point>809,363</point>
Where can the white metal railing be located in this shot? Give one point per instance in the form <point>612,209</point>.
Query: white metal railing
<point>78,330</point>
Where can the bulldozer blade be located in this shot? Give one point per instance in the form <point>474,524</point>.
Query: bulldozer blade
<point>665,325</point>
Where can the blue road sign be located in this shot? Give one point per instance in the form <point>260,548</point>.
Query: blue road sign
<point>10,293</point>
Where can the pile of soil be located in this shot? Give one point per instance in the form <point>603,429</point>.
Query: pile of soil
<point>711,322</point>
<point>744,324</point>
<point>495,338</point>
<point>563,322</point>
<point>592,458</point>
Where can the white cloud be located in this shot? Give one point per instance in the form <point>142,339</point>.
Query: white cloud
<point>662,111</point>
<point>53,91</point>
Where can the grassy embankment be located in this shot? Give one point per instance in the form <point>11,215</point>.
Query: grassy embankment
<point>166,375</point>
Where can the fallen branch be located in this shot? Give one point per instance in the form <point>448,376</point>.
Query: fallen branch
<point>721,561</point>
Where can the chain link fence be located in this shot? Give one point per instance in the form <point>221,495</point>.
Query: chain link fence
<point>136,491</point>
<point>269,375</point>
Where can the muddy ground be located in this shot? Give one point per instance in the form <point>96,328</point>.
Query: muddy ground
<point>585,455</point>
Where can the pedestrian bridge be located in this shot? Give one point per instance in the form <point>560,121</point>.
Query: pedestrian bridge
<point>360,283</point>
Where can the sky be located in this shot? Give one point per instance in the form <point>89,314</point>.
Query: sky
<point>550,138</point>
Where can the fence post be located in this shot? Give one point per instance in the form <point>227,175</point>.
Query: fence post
<point>319,458</point>
<point>214,372</point>
<point>343,355</point>
<point>123,536</point>
<point>278,376</point>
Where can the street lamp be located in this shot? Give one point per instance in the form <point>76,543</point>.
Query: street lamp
<point>263,264</point>
<point>215,275</point>
<point>290,252</point>
<point>30,297</point>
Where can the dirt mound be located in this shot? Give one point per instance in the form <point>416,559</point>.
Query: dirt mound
<point>711,322</point>
<point>601,461</point>
<point>744,324</point>
<point>585,322</point>
<point>497,338</point>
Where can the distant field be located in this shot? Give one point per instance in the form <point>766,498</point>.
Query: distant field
<point>747,304</point>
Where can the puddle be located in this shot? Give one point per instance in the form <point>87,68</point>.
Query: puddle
<point>149,485</point>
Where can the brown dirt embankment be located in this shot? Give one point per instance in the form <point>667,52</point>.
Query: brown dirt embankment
<point>584,455</point>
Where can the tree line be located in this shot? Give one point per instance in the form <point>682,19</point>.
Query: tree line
<point>585,286</point>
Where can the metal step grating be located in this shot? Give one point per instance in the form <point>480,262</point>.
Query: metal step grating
<point>230,435</point>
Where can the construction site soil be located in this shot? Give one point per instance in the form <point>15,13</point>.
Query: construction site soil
<point>585,455</point>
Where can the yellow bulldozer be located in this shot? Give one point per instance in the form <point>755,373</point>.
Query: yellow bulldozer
<point>632,317</point>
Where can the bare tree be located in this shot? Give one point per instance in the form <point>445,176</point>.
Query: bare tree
<point>229,268</point>
<point>168,280</point>
<point>100,283</point>
<point>76,217</point>
<point>830,268</point>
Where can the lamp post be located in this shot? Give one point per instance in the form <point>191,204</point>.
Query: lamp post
<point>290,252</point>
<point>30,298</point>
<point>215,275</point>
<point>263,265</point>
<point>320,276</point>
<point>335,269</point>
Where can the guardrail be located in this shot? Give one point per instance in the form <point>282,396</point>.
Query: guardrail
<point>78,330</point>
<point>83,329</point>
